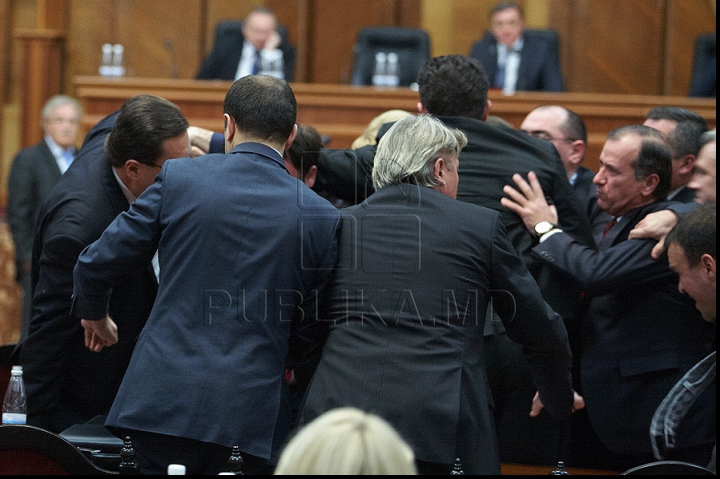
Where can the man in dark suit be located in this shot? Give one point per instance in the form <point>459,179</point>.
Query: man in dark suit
<point>66,383</point>
<point>566,130</point>
<point>243,247</point>
<point>256,48</point>
<point>513,61</point>
<point>34,172</point>
<point>407,307</point>
<point>682,130</point>
<point>640,335</point>
<point>455,88</point>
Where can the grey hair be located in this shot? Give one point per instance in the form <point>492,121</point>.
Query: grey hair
<point>707,137</point>
<point>408,151</point>
<point>57,101</point>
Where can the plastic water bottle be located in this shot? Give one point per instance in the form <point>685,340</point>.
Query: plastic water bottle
<point>393,77</point>
<point>106,66</point>
<point>15,403</point>
<point>380,74</point>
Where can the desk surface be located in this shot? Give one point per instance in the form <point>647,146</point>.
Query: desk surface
<point>343,111</point>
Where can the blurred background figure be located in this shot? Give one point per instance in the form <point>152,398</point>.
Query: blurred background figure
<point>256,48</point>
<point>34,172</point>
<point>515,61</point>
<point>347,441</point>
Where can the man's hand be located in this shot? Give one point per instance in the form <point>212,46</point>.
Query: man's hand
<point>273,41</point>
<point>529,202</point>
<point>537,405</point>
<point>99,333</point>
<point>199,140</point>
<point>656,226</point>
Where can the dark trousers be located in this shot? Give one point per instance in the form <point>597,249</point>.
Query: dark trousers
<point>154,452</point>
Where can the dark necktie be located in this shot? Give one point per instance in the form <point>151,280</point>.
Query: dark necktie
<point>609,225</point>
<point>256,63</point>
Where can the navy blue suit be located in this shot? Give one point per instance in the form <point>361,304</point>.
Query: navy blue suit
<point>242,246</point>
<point>539,68</point>
<point>67,383</point>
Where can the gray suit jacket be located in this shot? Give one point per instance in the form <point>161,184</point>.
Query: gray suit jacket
<point>407,308</point>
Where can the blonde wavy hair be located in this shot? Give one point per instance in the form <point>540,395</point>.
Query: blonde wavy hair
<point>347,441</point>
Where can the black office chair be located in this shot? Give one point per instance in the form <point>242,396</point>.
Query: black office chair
<point>668,468</point>
<point>703,79</point>
<point>412,46</point>
<point>32,450</point>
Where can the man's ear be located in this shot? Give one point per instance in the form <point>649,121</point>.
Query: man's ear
<point>230,128</point>
<point>708,265</point>
<point>687,163</point>
<point>132,169</point>
<point>311,176</point>
<point>650,183</point>
<point>421,108</point>
<point>291,138</point>
<point>578,152</point>
<point>439,170</point>
<point>486,111</point>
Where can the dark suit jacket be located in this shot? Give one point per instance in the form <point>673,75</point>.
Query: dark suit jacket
<point>640,335</point>
<point>33,174</point>
<point>242,245</point>
<point>685,195</point>
<point>539,68</point>
<point>408,301</point>
<point>222,61</point>
<point>66,383</point>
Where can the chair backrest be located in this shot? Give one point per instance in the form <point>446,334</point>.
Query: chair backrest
<point>32,450</point>
<point>412,46</point>
<point>669,468</point>
<point>703,60</point>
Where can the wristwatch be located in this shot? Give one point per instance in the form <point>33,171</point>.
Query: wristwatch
<point>543,227</point>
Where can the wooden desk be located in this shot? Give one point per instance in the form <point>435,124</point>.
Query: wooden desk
<point>343,111</point>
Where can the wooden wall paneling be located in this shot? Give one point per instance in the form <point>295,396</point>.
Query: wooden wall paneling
<point>5,42</point>
<point>337,24</point>
<point>617,46</point>
<point>686,19</point>
<point>42,66</point>
<point>454,25</point>
<point>92,23</point>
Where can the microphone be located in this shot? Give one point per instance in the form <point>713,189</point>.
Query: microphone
<point>173,64</point>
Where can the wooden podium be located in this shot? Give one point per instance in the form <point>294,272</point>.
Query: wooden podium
<point>343,111</point>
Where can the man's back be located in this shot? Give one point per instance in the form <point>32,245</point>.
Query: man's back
<point>241,244</point>
<point>409,343</point>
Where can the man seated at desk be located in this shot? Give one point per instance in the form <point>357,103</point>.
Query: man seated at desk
<point>257,48</point>
<point>515,61</point>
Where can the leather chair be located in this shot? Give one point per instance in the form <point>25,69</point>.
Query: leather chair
<point>32,450</point>
<point>412,46</point>
<point>702,82</point>
<point>674,468</point>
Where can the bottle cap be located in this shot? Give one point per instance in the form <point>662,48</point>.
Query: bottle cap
<point>16,369</point>
<point>176,470</point>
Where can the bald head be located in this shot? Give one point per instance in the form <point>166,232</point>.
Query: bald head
<point>563,128</point>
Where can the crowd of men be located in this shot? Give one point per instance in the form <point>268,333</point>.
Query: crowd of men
<point>480,290</point>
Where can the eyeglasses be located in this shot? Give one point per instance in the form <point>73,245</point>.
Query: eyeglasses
<point>544,135</point>
<point>152,165</point>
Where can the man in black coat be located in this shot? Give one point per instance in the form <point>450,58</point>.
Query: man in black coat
<point>34,172</point>
<point>66,382</point>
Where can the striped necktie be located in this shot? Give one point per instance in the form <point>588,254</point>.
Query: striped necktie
<point>609,225</point>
